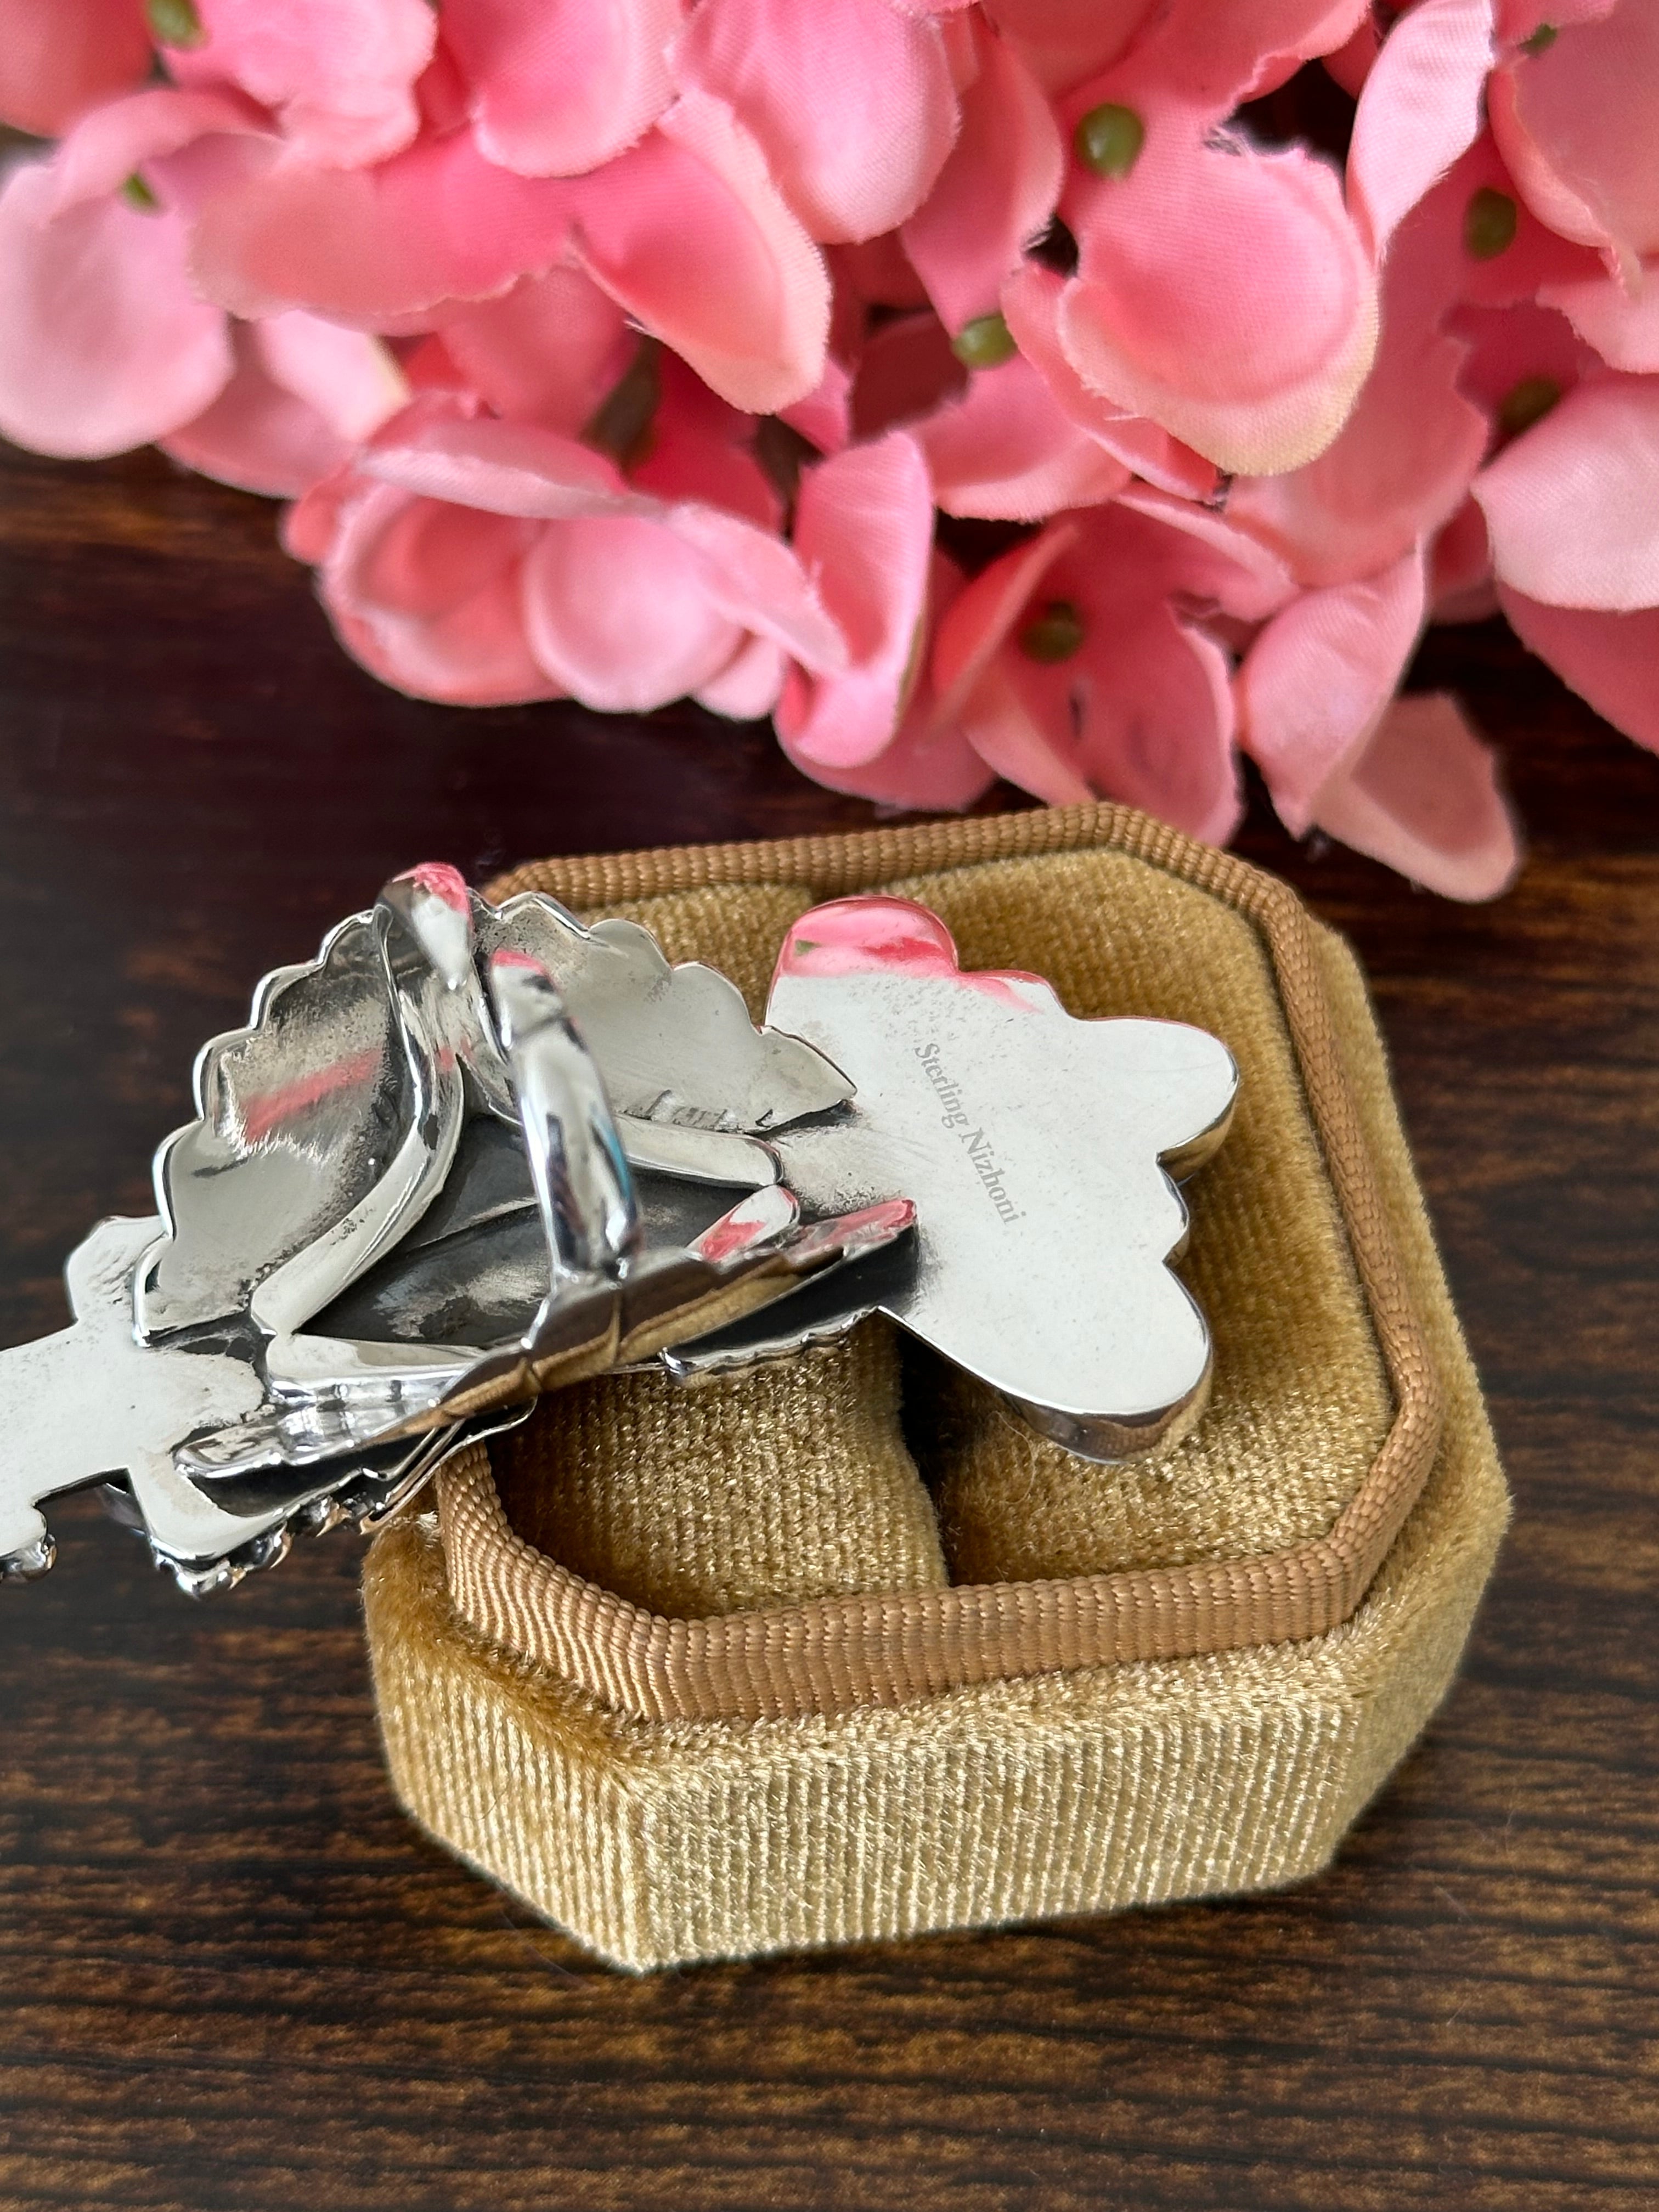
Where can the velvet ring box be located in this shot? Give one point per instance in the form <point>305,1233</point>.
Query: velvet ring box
<point>840,1649</point>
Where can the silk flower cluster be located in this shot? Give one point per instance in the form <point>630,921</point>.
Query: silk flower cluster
<point>632,350</point>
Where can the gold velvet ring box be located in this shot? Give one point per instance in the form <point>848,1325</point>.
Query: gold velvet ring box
<point>840,1649</point>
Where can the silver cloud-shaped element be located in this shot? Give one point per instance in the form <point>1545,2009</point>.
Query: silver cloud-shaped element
<point>676,1044</point>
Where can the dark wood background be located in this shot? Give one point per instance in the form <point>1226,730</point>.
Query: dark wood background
<point>232,1976</point>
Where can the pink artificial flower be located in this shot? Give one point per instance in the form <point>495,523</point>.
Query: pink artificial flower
<point>1560,530</point>
<point>853,105</point>
<point>864,528</point>
<point>1575,110</point>
<point>337,77</point>
<point>1403,462</point>
<point>549,87</point>
<point>1083,664</point>
<point>475,560</point>
<point>1572,511</point>
<point>685,231</point>
<point>998,444</point>
<point>996,193</point>
<point>1006,452</point>
<point>1064,41</point>
<point>409,162</point>
<point>106,344</point>
<point>1221,291</point>
<point>57,61</point>
<point>928,761</point>
<point>555,88</point>
<point>1404,780</point>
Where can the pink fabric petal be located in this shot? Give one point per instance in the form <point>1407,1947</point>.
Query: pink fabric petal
<point>688,233</point>
<point>749,685</point>
<point>1067,40</point>
<point>59,59</point>
<point>618,614</point>
<point>1419,111</point>
<point>375,247</point>
<point>757,581</point>
<point>1215,54</point>
<point>864,528</point>
<point>106,147</point>
<point>1608,658</point>
<point>971,633</point>
<point>1573,505</point>
<point>1424,797</point>
<point>1207,560</point>
<point>745,577</point>
<point>1403,461</point>
<point>824,415</point>
<point>852,104</point>
<point>257,434</point>
<point>1142,711</point>
<point>1622,325</point>
<point>428,597</point>
<point>1163,733</point>
<point>1505,346</point>
<point>1020,745</point>
<point>103,344</point>
<point>559,86</point>
<point>1005,451</point>
<point>934,769</point>
<point>1534,257</point>
<point>905,371</point>
<point>350,381</point>
<point>1461,586</point>
<point>996,193</point>
<point>1520,20</point>
<point>309,527</point>
<point>1225,293</point>
<point>1577,123</point>
<point>1351,64</point>
<point>927,762</point>
<point>339,74</point>
<point>1315,685</point>
<point>503,468</point>
<point>548,351</point>
<point>1030,301</point>
<point>702,451</point>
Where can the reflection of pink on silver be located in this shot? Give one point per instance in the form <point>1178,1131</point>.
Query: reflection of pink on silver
<point>869,1230</point>
<point>766,1214</point>
<point>442,881</point>
<point>889,936</point>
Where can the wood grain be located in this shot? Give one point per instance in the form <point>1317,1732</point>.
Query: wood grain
<point>232,1976</point>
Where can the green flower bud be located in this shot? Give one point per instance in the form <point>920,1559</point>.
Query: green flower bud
<point>1527,402</point>
<point>1489,223</point>
<point>984,342</point>
<point>1054,632</point>
<point>174,22</point>
<point>1542,40</point>
<point>1109,139</point>
<point>137,193</point>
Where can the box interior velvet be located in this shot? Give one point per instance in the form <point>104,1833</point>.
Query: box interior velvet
<point>839,1649</point>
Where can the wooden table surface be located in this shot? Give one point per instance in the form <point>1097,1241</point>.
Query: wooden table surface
<point>231,1974</point>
